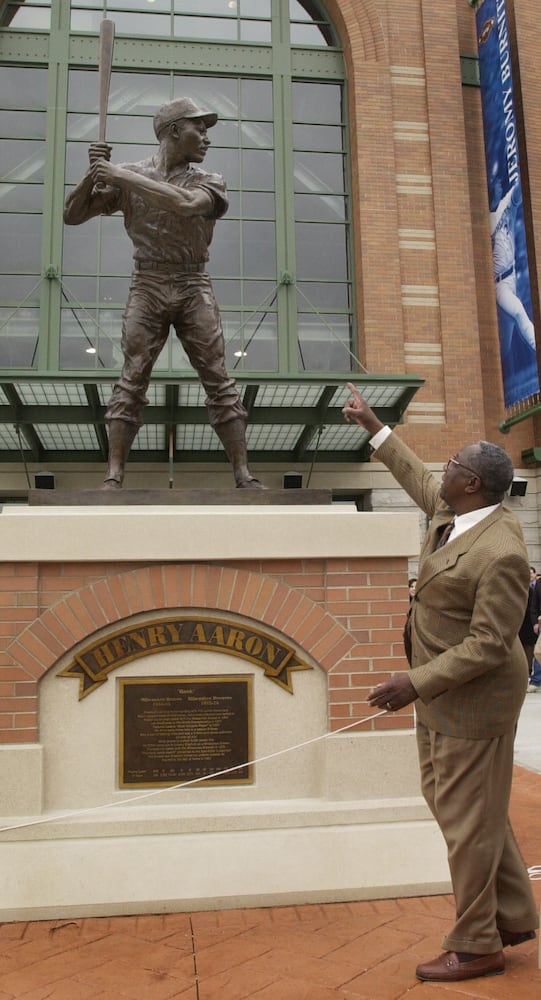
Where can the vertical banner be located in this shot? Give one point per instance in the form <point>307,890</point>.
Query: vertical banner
<point>507,233</point>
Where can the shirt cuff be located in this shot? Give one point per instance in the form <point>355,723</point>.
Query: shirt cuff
<point>379,437</point>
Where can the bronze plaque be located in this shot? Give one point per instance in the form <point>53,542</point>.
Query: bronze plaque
<point>181,729</point>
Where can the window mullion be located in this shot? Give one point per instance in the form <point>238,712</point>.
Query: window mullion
<point>285,208</point>
<point>53,191</point>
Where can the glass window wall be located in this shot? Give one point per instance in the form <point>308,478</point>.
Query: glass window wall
<point>23,105</point>
<point>280,259</point>
<point>25,15</point>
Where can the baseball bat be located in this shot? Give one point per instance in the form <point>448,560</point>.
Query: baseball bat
<point>105,62</point>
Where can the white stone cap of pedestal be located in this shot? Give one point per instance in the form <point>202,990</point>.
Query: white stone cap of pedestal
<point>124,533</point>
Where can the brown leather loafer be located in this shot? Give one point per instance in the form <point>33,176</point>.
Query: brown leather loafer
<point>449,969</point>
<point>511,938</point>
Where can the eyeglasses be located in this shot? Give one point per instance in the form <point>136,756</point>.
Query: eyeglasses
<point>454,461</point>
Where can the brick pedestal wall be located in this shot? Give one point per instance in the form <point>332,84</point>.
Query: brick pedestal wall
<point>345,614</point>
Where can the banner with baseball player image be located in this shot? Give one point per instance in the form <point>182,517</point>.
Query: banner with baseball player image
<point>507,232</point>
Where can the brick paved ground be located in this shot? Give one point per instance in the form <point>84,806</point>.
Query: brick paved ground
<point>344,951</point>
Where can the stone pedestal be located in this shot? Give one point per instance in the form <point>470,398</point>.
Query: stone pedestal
<point>332,813</point>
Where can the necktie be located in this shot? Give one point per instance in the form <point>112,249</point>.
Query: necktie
<point>445,534</point>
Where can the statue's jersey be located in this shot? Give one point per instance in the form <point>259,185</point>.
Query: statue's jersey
<point>161,236</point>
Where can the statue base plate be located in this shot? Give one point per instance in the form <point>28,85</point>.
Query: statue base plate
<point>193,498</point>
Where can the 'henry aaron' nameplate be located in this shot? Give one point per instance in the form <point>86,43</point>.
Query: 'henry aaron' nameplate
<point>180,729</point>
<point>98,657</point>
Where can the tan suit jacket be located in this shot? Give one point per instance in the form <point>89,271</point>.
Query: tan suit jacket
<point>468,665</point>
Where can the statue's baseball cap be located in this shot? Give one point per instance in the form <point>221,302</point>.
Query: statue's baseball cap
<point>183,107</point>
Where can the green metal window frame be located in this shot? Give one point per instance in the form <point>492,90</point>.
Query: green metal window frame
<point>53,415</point>
<point>62,50</point>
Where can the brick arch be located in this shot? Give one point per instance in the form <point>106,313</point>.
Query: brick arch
<point>360,26</point>
<point>204,586</point>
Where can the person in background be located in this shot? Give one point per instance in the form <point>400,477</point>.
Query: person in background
<point>534,608</point>
<point>412,584</point>
<point>468,679</point>
<point>535,677</point>
<point>527,633</point>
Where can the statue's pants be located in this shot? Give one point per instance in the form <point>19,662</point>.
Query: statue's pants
<point>467,785</point>
<point>158,300</point>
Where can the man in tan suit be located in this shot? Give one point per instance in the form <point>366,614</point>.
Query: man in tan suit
<point>468,680</point>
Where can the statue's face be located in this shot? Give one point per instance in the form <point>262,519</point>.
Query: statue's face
<point>191,139</point>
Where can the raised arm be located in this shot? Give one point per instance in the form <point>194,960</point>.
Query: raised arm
<point>419,482</point>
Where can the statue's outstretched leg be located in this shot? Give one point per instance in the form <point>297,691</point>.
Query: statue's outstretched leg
<point>232,434</point>
<point>121,437</point>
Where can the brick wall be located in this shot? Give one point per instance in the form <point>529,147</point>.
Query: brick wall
<point>422,245</point>
<point>345,614</point>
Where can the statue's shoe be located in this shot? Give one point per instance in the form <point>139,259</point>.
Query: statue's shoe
<point>251,484</point>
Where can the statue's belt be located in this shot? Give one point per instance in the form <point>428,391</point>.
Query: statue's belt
<point>165,267</point>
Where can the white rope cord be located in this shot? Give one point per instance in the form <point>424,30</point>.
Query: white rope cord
<point>184,784</point>
<point>534,872</point>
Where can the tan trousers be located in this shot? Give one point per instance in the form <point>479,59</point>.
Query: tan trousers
<point>467,786</point>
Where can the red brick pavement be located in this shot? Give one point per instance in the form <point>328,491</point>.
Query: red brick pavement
<point>341,951</point>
